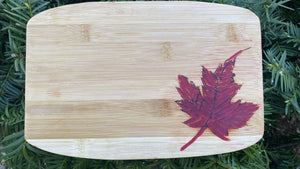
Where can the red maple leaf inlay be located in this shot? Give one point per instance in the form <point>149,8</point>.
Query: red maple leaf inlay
<point>213,108</point>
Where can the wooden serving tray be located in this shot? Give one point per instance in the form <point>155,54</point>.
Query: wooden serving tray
<point>101,79</point>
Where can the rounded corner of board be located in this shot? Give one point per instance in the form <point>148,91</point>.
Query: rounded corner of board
<point>256,139</point>
<point>38,17</point>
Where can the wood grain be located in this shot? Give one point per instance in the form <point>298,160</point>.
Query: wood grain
<point>101,77</point>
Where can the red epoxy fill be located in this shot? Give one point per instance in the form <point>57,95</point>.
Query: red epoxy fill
<point>212,108</point>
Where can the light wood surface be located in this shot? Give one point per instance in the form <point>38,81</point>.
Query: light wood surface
<point>101,77</point>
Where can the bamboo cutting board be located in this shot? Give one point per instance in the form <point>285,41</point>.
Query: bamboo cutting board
<point>101,79</point>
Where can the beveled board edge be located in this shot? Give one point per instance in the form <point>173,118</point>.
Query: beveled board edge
<point>130,148</point>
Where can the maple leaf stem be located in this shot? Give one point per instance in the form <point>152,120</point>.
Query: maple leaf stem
<point>194,138</point>
<point>233,57</point>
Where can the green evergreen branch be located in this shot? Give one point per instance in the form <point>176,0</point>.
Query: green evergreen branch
<point>12,119</point>
<point>6,79</point>
<point>28,5</point>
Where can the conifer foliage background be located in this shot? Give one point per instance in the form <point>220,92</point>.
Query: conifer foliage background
<point>280,147</point>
